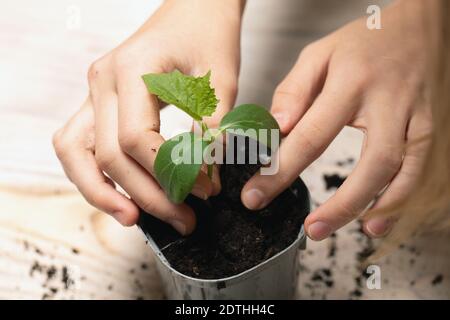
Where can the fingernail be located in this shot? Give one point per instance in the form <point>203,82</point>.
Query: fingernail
<point>199,192</point>
<point>254,199</point>
<point>281,119</point>
<point>319,230</point>
<point>179,226</point>
<point>378,227</point>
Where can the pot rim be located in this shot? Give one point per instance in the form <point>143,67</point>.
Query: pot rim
<point>230,279</point>
<point>299,242</point>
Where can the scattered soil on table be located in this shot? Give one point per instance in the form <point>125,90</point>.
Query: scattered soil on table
<point>333,181</point>
<point>437,280</point>
<point>229,238</point>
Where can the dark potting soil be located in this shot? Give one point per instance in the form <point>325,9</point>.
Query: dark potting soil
<point>229,238</point>
<point>333,181</point>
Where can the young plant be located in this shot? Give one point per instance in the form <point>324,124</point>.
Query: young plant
<point>179,159</point>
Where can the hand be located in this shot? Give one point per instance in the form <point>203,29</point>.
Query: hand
<point>116,132</point>
<point>370,80</point>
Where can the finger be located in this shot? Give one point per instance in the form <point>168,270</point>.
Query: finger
<point>377,166</point>
<point>309,138</point>
<point>79,163</point>
<point>203,186</point>
<point>216,183</point>
<point>377,223</point>
<point>133,178</point>
<point>139,125</point>
<point>138,120</point>
<point>295,94</point>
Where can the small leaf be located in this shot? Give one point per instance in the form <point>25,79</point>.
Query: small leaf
<point>192,95</point>
<point>178,164</point>
<point>246,117</point>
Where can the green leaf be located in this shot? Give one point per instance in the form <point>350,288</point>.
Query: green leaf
<point>178,164</point>
<point>192,95</point>
<point>247,117</point>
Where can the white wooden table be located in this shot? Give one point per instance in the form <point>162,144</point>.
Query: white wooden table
<point>53,245</point>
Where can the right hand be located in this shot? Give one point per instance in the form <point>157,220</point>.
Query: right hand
<point>116,131</point>
<point>371,80</point>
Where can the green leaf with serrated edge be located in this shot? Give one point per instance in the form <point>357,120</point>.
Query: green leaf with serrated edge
<point>193,95</point>
<point>178,164</point>
<point>250,118</point>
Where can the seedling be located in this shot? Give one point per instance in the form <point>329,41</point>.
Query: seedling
<point>179,159</point>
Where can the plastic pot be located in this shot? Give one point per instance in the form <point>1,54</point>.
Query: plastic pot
<point>275,278</point>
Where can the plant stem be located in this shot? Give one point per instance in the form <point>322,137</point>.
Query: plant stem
<point>204,127</point>
<point>211,140</point>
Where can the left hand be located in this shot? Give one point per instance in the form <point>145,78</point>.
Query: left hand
<point>370,80</point>
<point>114,138</point>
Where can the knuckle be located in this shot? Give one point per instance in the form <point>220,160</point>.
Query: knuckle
<point>150,207</point>
<point>154,205</point>
<point>60,143</point>
<point>359,73</point>
<point>389,158</point>
<point>347,211</point>
<point>56,139</point>
<point>96,198</point>
<point>286,89</point>
<point>95,70</point>
<point>308,51</point>
<point>363,78</point>
<point>282,180</point>
<point>128,139</point>
<point>362,74</point>
<point>105,159</point>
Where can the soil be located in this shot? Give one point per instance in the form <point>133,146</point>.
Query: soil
<point>229,238</point>
<point>333,181</point>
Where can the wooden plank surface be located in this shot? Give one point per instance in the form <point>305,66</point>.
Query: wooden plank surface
<point>53,245</point>
<point>57,246</point>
